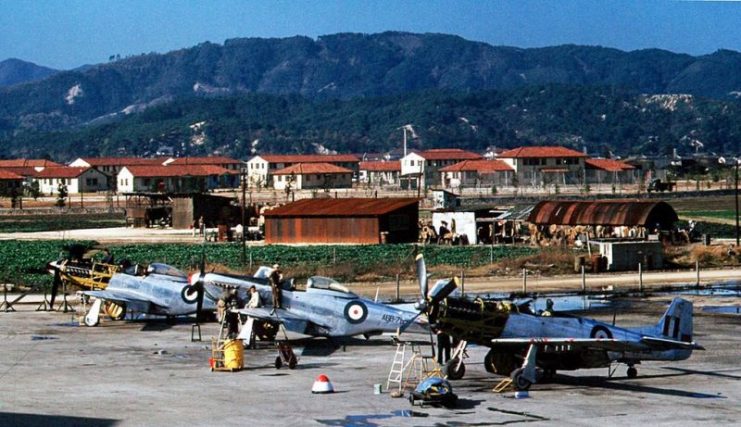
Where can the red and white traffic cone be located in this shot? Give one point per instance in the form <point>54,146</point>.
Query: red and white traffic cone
<point>322,385</point>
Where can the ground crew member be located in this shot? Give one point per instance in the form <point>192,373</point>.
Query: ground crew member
<point>275,279</point>
<point>548,308</point>
<point>254,301</point>
<point>443,347</point>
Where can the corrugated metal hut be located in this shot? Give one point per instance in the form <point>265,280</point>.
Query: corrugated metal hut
<point>354,220</point>
<point>649,214</point>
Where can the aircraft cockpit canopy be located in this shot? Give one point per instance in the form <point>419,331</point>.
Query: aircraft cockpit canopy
<point>321,282</point>
<point>165,270</point>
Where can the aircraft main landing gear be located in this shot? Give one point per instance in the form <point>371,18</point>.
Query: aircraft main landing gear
<point>632,371</point>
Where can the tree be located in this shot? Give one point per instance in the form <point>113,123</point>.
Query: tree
<point>61,194</point>
<point>34,190</point>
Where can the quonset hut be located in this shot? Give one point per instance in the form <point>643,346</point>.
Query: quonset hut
<point>353,220</point>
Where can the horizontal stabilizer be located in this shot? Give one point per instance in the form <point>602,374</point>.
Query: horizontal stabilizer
<point>667,344</point>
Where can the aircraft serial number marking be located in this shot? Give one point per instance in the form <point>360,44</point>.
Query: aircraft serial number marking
<point>388,318</point>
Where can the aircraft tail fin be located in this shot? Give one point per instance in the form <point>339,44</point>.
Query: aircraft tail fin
<point>676,323</point>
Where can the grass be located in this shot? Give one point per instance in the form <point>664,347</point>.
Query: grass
<point>34,223</point>
<point>721,214</point>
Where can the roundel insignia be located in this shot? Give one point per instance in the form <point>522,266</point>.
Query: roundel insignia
<point>356,312</point>
<point>189,295</point>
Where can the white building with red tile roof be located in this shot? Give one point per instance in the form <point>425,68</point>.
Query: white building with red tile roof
<point>380,173</point>
<point>260,168</point>
<point>111,166</point>
<point>544,165</point>
<point>222,161</point>
<point>303,176</point>
<point>77,180</point>
<point>37,164</point>
<point>422,168</point>
<point>610,171</point>
<point>175,178</point>
<point>477,173</point>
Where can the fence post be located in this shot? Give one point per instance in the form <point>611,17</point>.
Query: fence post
<point>583,279</point>
<point>398,297</point>
<point>697,269</point>
<point>640,277</point>
<point>463,282</point>
<point>524,280</point>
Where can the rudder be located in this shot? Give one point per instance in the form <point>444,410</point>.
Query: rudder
<point>676,323</point>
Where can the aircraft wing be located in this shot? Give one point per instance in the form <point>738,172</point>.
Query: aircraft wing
<point>289,320</point>
<point>607,344</point>
<point>137,304</point>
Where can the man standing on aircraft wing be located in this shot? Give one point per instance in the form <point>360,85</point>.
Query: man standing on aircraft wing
<point>275,278</point>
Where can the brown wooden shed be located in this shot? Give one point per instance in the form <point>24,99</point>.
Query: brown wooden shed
<point>354,220</point>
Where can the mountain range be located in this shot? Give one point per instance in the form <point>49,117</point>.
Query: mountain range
<point>346,68</point>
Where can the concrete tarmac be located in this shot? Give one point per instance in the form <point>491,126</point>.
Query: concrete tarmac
<point>53,372</point>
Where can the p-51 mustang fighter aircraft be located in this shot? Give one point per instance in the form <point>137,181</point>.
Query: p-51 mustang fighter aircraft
<point>325,308</point>
<point>556,342</point>
<point>159,289</point>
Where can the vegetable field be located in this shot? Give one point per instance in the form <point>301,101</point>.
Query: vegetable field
<point>24,261</point>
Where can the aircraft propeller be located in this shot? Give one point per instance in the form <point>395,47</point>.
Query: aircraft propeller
<point>432,298</point>
<point>196,286</point>
<point>56,283</point>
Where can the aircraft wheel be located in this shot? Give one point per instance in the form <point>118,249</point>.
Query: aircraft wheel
<point>632,372</point>
<point>489,362</point>
<point>292,363</point>
<point>90,322</point>
<point>451,372</point>
<point>278,362</point>
<point>519,381</point>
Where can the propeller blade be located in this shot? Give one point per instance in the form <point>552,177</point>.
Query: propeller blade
<point>55,285</point>
<point>422,275</point>
<point>442,289</point>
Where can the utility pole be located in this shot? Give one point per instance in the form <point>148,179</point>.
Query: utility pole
<point>736,195</point>
<point>244,230</point>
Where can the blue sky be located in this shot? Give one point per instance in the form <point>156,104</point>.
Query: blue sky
<point>67,33</point>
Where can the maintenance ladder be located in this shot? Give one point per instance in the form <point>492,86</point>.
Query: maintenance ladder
<point>407,373</point>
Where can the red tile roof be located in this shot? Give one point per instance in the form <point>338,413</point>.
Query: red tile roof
<point>22,163</point>
<point>341,207</point>
<point>309,158</point>
<point>392,166</point>
<point>544,151</point>
<point>608,165</point>
<point>211,160</point>
<point>61,172</point>
<point>121,161</point>
<point>448,154</point>
<point>175,170</point>
<point>309,168</point>
<point>480,166</point>
<point>6,174</point>
<point>23,171</point>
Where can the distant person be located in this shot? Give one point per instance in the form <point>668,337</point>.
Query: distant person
<point>275,279</point>
<point>548,308</point>
<point>443,347</point>
<point>201,226</point>
<point>254,301</point>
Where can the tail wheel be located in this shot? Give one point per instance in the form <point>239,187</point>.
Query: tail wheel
<point>519,381</point>
<point>453,370</point>
<point>115,311</point>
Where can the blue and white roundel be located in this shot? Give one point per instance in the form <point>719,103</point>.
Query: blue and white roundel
<point>356,312</point>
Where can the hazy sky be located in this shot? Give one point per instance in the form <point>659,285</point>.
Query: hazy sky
<point>68,33</point>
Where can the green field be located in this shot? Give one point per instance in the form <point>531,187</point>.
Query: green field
<point>24,261</point>
<point>33,223</point>
<point>721,214</point>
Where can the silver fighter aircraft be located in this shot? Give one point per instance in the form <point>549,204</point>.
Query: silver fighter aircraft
<point>159,289</point>
<point>556,341</point>
<point>325,308</point>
